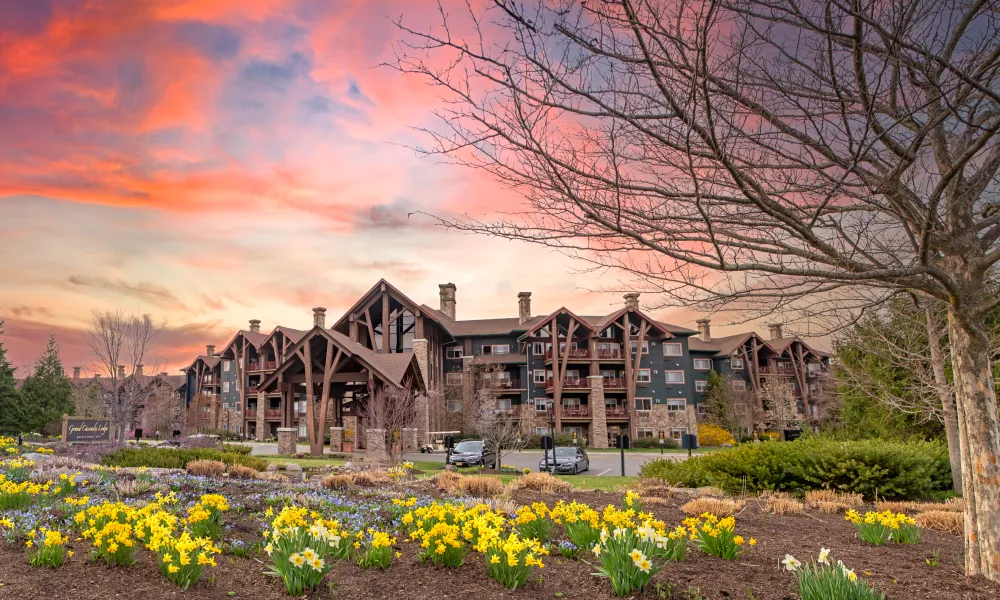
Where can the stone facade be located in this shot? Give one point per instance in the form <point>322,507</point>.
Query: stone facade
<point>336,439</point>
<point>377,452</point>
<point>351,431</point>
<point>599,423</point>
<point>286,440</point>
<point>661,419</point>
<point>261,423</point>
<point>410,439</point>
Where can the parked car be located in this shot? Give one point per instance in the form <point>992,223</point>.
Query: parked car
<point>570,459</point>
<point>470,452</point>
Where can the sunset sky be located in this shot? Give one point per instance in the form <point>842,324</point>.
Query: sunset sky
<point>212,161</point>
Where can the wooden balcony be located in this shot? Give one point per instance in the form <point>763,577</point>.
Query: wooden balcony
<point>503,384</point>
<point>575,412</point>
<point>614,383</point>
<point>777,371</point>
<point>615,354</point>
<point>508,413</point>
<point>252,389</point>
<point>571,383</point>
<point>574,354</point>
<point>271,413</point>
<point>616,412</point>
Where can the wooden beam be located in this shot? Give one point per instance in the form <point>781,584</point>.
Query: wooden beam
<point>352,321</point>
<point>334,377</point>
<point>385,322</point>
<point>371,329</point>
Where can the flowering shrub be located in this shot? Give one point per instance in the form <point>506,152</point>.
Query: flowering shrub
<point>713,435</point>
<point>49,551</point>
<point>822,580</point>
<point>510,560</point>
<point>716,536</point>
<point>205,517</point>
<point>877,528</point>
<point>303,546</point>
<point>581,523</point>
<point>534,522</point>
<point>376,550</point>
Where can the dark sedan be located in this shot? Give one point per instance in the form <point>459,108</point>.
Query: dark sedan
<point>567,460</point>
<point>470,452</point>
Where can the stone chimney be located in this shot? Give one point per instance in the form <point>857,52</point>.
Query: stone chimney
<point>632,300</point>
<point>210,350</point>
<point>138,370</point>
<point>121,371</point>
<point>448,299</point>
<point>319,317</point>
<point>163,374</point>
<point>774,331</point>
<point>254,325</point>
<point>523,306</point>
<point>76,372</point>
<point>704,329</point>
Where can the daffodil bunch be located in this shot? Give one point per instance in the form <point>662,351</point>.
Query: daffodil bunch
<point>716,536</point>
<point>204,518</point>
<point>626,559</point>
<point>400,507</point>
<point>44,450</point>
<point>376,550</point>
<point>183,558</point>
<point>303,547</point>
<point>18,469</point>
<point>877,528</point>
<point>18,495</point>
<point>66,485</point>
<point>46,548</point>
<point>109,526</point>
<point>534,522</point>
<point>822,580</point>
<point>510,559</point>
<point>582,523</point>
<point>631,501</point>
<point>401,471</point>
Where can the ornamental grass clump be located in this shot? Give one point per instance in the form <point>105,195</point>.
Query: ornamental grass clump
<point>303,547</point>
<point>510,559</point>
<point>534,522</point>
<point>822,580</point>
<point>581,523</point>
<point>716,536</point>
<point>204,518</point>
<point>376,550</point>
<point>878,528</point>
<point>46,548</point>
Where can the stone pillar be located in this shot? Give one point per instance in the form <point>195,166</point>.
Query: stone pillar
<point>261,423</point>
<point>599,420</point>
<point>468,397</point>
<point>692,418</point>
<point>351,430</point>
<point>336,439</point>
<point>420,348</point>
<point>286,440</point>
<point>423,422</point>
<point>377,451</point>
<point>411,439</point>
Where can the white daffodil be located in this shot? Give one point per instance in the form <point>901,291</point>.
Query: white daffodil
<point>790,563</point>
<point>824,554</point>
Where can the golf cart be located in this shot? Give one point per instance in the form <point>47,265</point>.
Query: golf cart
<point>435,441</point>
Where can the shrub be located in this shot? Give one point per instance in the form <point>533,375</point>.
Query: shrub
<point>545,483</point>
<point>176,458</point>
<point>713,435</point>
<point>889,469</point>
<point>338,481</point>
<point>241,472</point>
<point>654,442</point>
<point>941,520</point>
<point>200,441</point>
<point>206,468</point>
<point>237,449</point>
<point>480,486</point>
<point>785,506</point>
<point>447,481</point>
<point>720,507</point>
<point>899,507</point>
<point>845,500</point>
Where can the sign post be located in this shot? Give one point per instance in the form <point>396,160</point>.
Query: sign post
<point>574,438</point>
<point>85,431</point>
<point>662,440</point>
<point>549,444</point>
<point>623,442</point>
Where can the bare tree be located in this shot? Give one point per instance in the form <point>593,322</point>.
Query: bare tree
<point>814,156</point>
<point>120,343</point>
<point>161,409</point>
<point>495,423</point>
<point>390,410</point>
<point>88,400</point>
<point>781,407</point>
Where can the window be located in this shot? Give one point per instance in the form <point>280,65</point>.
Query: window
<point>673,349</point>
<point>302,431</point>
<point>643,376</point>
<point>454,405</point>
<point>674,377</point>
<point>676,404</point>
<point>538,376</point>
<point>813,368</point>
<point>644,404</point>
<point>635,344</point>
<point>503,404</point>
<point>541,404</point>
<point>537,348</point>
<point>677,432</point>
<point>736,364</point>
<point>701,408</point>
<point>643,432</point>
<point>739,385</point>
<point>225,387</point>
<point>541,431</point>
<point>700,386</point>
<point>455,352</point>
<point>496,348</point>
<point>226,364</point>
<point>609,373</point>
<point>453,378</point>
<point>703,364</point>
<point>608,332</point>
<point>572,375</point>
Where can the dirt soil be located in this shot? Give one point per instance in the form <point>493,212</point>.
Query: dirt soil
<point>901,571</point>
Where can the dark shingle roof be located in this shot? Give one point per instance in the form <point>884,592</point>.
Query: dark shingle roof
<point>721,345</point>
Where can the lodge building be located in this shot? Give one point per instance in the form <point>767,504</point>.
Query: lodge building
<point>623,372</point>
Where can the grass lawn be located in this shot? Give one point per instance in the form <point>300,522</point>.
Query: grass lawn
<point>305,463</point>
<point>652,450</point>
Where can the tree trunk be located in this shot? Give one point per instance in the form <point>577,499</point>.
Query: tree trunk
<point>979,435</point>
<point>947,400</point>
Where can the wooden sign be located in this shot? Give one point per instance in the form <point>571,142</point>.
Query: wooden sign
<point>86,431</point>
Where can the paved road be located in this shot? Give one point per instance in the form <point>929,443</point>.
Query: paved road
<point>601,463</point>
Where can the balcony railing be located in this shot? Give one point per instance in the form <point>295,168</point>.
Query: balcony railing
<point>503,384</point>
<point>614,383</point>
<point>579,383</point>
<point>616,411</point>
<point>270,365</point>
<point>576,353</point>
<point>253,365</point>
<point>609,354</point>
<point>777,371</point>
<point>272,412</point>
<point>504,412</point>
<point>209,379</point>
<point>580,412</point>
<point>252,389</point>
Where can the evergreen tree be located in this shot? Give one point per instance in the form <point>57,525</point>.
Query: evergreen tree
<point>12,410</point>
<point>719,402</point>
<point>47,392</point>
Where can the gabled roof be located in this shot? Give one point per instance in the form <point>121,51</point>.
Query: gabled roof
<point>480,327</point>
<point>255,339</point>
<point>782,344</point>
<point>293,335</point>
<point>555,314</point>
<point>724,345</point>
<point>210,362</point>
<point>393,290</point>
<point>608,319</point>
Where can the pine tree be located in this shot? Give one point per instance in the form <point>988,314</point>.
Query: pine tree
<point>12,411</point>
<point>719,402</point>
<point>47,392</point>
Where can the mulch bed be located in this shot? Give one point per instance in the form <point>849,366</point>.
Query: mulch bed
<point>900,571</point>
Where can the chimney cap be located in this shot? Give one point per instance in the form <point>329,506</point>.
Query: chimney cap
<point>449,286</point>
<point>703,320</point>
<point>524,294</point>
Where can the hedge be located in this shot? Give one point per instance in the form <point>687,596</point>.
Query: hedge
<point>237,448</point>
<point>177,458</point>
<point>891,470</point>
